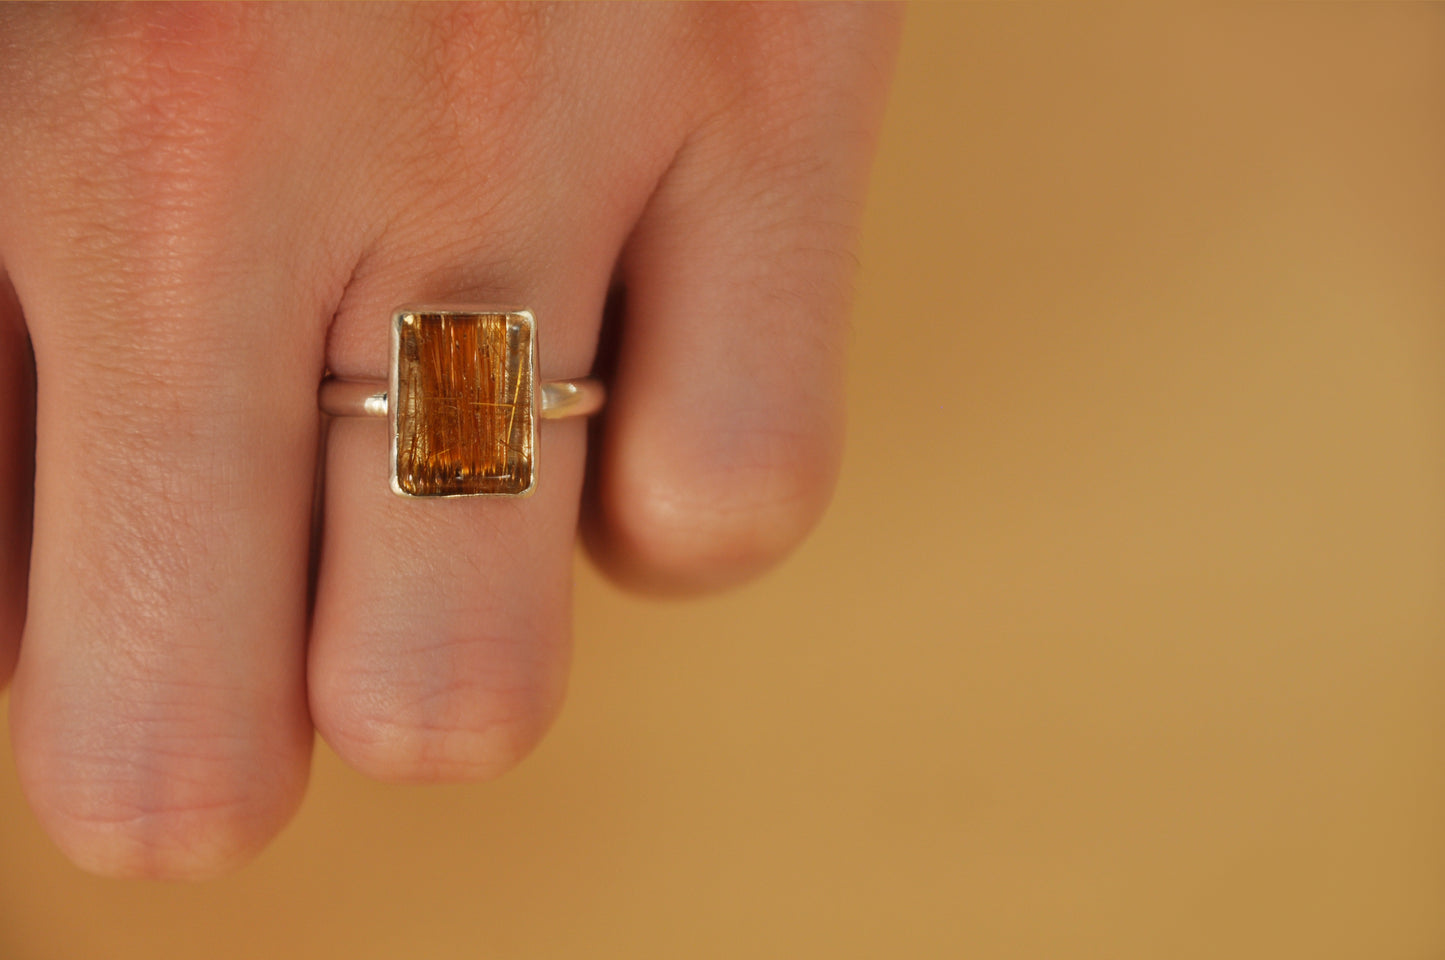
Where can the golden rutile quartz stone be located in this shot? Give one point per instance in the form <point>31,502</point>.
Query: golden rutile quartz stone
<point>464,414</point>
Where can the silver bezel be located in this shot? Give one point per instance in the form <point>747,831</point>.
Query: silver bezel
<point>525,318</point>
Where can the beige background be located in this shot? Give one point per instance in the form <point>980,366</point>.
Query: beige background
<point>1124,636</point>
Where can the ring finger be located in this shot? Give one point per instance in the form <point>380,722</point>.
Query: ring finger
<point>442,626</point>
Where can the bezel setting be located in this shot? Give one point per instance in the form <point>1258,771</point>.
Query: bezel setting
<point>468,351</point>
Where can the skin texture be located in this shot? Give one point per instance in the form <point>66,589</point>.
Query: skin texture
<point>203,208</point>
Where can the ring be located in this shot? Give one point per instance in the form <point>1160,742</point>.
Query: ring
<point>464,423</point>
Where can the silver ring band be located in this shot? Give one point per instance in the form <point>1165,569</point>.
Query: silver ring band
<point>367,398</point>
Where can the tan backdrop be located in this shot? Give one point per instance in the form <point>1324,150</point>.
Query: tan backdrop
<point>1124,636</point>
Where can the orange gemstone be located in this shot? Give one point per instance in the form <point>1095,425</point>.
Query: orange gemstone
<point>464,420</point>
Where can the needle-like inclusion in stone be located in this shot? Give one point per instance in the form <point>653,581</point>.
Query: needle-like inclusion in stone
<point>464,420</point>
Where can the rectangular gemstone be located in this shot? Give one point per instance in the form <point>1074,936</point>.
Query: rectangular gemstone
<point>463,418</point>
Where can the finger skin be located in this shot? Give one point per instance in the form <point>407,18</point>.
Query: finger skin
<point>158,711</point>
<point>17,465</point>
<point>724,432</point>
<point>442,635</point>
<point>451,663</point>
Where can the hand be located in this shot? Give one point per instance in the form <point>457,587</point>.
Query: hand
<point>204,208</point>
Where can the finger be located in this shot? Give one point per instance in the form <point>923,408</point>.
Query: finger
<point>441,632</point>
<point>158,709</point>
<point>723,435</point>
<point>16,468</point>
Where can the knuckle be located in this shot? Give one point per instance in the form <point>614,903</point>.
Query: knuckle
<point>184,842</point>
<point>487,61</point>
<point>140,133</point>
<point>737,506</point>
<point>149,90</point>
<point>170,76</point>
<point>475,113</point>
<point>154,777</point>
<point>156,819</point>
<point>464,724</point>
<point>781,62</point>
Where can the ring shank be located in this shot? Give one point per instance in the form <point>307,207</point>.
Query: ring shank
<point>352,398</point>
<point>570,398</point>
<point>556,398</point>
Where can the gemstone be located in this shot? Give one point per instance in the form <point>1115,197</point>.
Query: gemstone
<point>464,420</point>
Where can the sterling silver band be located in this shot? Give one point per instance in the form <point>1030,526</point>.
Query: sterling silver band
<point>558,398</point>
